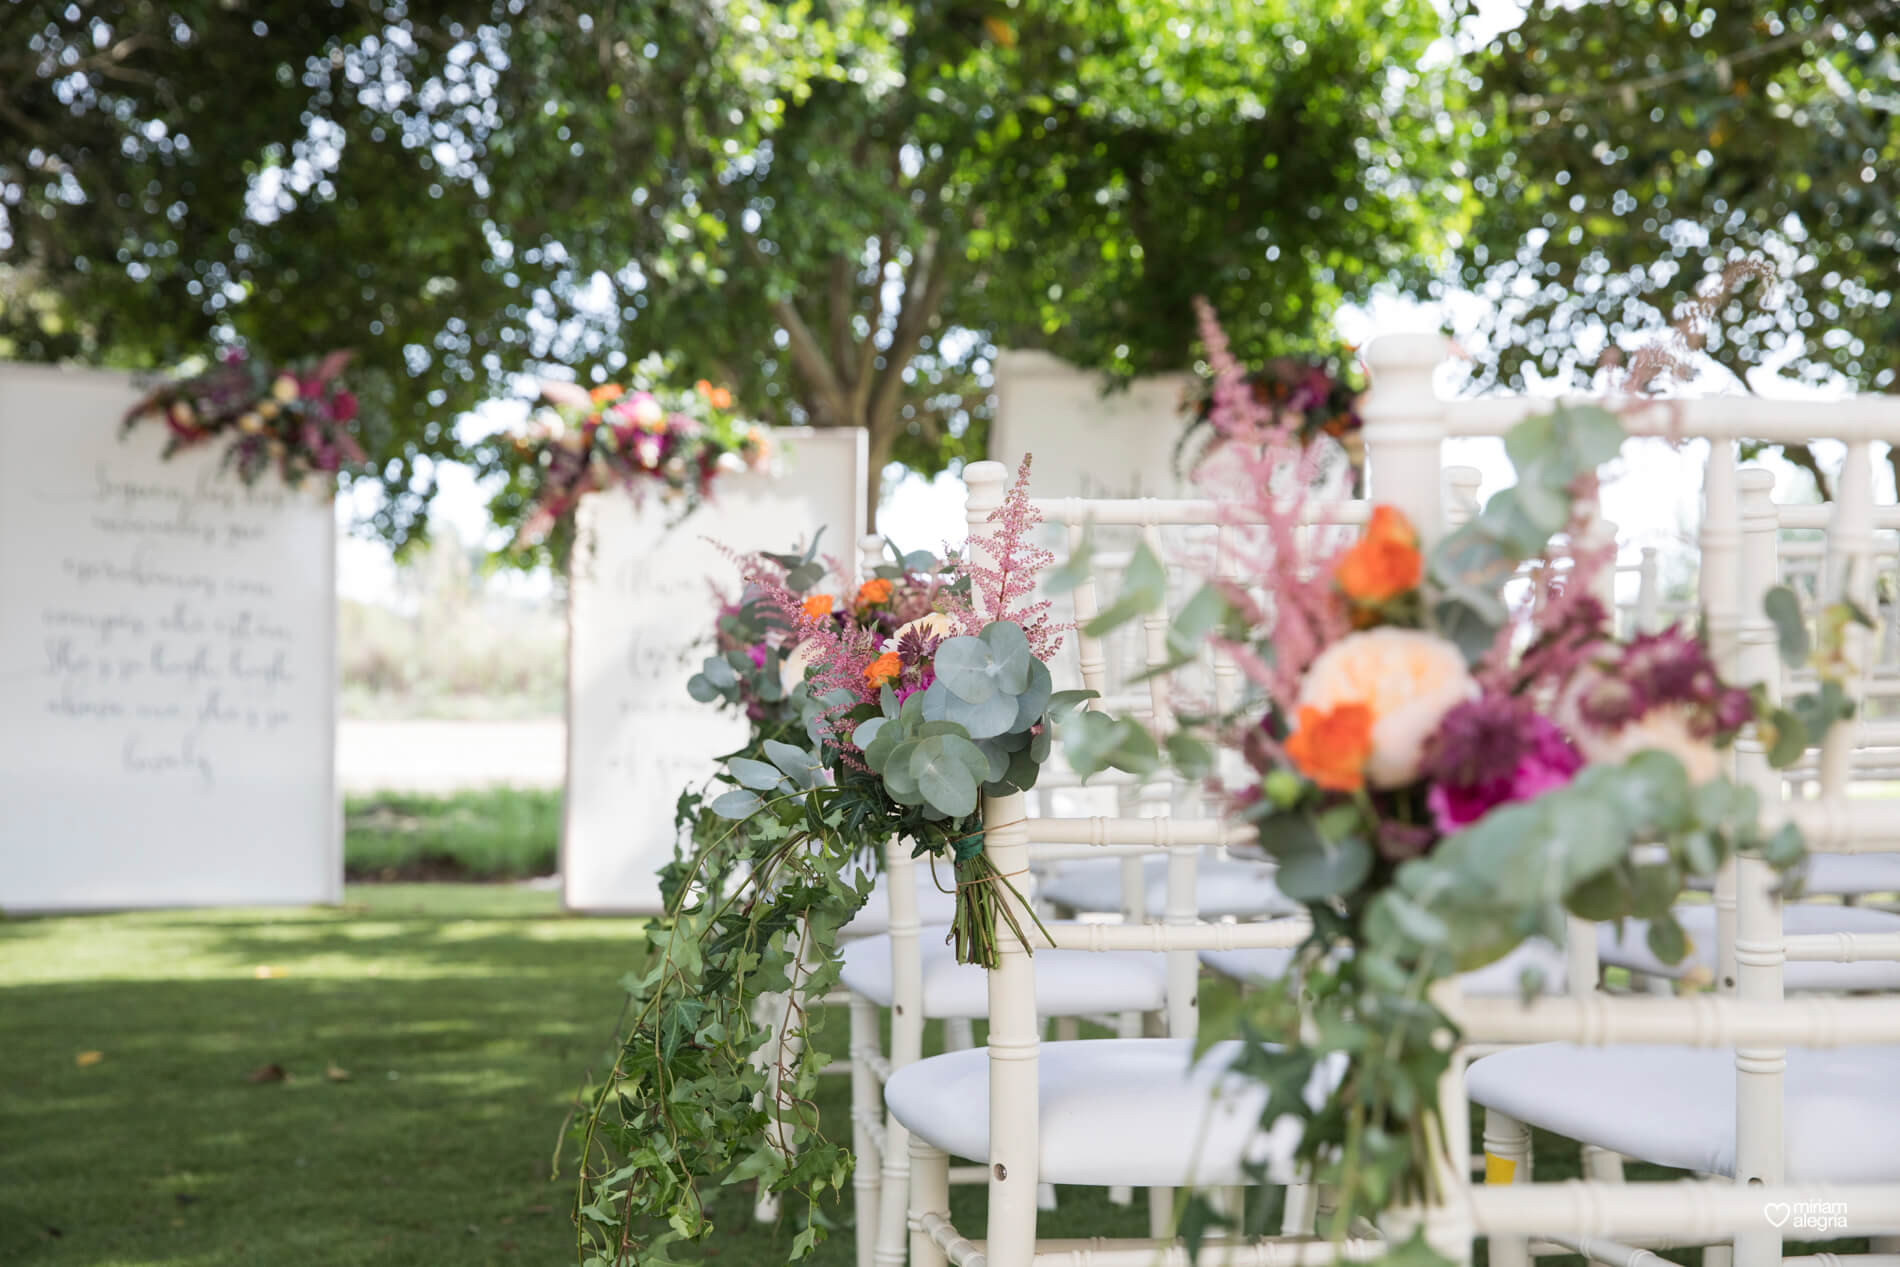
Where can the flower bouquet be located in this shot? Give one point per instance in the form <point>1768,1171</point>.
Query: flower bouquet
<point>1440,775</point>
<point>294,417</point>
<point>910,706</point>
<point>1314,399</point>
<point>585,441</point>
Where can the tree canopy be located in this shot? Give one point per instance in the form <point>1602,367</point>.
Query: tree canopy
<point>1631,148</point>
<point>837,209</point>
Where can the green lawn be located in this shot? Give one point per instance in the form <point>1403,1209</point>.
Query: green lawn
<point>463,1015</point>
<point>377,1084</point>
<point>499,833</point>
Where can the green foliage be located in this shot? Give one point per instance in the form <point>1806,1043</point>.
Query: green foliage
<point>838,212</point>
<point>1629,147</point>
<point>500,833</point>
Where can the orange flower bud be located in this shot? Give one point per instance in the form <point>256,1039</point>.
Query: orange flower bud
<point>1385,563</point>
<point>1331,746</point>
<point>818,606</point>
<point>883,669</point>
<point>874,592</point>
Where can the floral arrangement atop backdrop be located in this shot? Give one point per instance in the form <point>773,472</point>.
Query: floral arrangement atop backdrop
<point>1440,773</point>
<point>675,444</point>
<point>295,417</point>
<point>1312,399</point>
<point>916,691</point>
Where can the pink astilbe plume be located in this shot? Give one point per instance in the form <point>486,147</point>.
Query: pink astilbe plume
<point>1265,479</point>
<point>1005,587</point>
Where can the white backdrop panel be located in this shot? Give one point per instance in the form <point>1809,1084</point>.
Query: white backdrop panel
<point>639,602</point>
<point>167,665</point>
<point>1087,444</point>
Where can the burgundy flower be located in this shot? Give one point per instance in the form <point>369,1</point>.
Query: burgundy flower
<point>1493,751</point>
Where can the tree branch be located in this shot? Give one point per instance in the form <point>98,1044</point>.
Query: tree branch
<point>929,281</point>
<point>839,310</point>
<point>810,358</point>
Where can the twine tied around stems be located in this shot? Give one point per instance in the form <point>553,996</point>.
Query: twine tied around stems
<point>973,924</point>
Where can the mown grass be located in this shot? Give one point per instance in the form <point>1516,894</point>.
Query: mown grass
<point>495,833</point>
<point>379,1084</point>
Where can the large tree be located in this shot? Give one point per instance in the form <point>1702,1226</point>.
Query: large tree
<point>1632,148</point>
<point>838,209</point>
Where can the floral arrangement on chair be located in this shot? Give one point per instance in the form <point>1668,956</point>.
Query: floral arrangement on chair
<point>1440,776</point>
<point>912,706</point>
<point>586,440</point>
<point>295,417</point>
<point>1311,398</point>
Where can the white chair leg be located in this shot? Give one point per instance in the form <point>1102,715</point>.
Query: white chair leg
<point>895,1194</point>
<point>1068,1029</point>
<point>774,1012</point>
<point>1160,1213</point>
<point>929,1194</point>
<point>1602,1164</point>
<point>865,1099</point>
<point>958,1034</point>
<point>1718,1256</point>
<point>1301,1210</point>
<point>1507,1160</point>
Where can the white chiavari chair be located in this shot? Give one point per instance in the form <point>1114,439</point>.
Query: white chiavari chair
<point>910,971</point>
<point>1725,1086</point>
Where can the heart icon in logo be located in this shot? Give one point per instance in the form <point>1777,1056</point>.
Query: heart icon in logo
<point>1776,1212</point>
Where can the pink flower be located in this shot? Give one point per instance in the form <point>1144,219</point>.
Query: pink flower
<point>1493,751</point>
<point>343,406</point>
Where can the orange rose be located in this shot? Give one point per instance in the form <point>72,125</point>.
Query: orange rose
<point>717,397</point>
<point>873,592</point>
<point>818,606</point>
<point>883,669</point>
<point>1331,746</point>
<point>1385,563</point>
<point>606,392</point>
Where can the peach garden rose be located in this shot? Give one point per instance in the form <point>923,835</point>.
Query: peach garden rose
<point>1407,679</point>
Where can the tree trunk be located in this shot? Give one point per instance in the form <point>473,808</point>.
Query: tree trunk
<point>882,440</point>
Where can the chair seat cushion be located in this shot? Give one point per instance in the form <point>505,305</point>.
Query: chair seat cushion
<point>1068,982</point>
<point>1632,951</point>
<point>1503,977</point>
<point>1842,875</point>
<point>1222,886</point>
<point>1675,1106</point>
<point>1134,1111</point>
<point>934,906</point>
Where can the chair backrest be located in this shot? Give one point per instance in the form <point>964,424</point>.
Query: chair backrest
<point>1739,563</point>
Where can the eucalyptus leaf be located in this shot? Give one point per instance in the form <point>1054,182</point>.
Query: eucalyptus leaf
<point>719,673</point>
<point>1074,570</point>
<point>1062,703</point>
<point>1010,657</point>
<point>1033,700</point>
<point>736,804</point>
<point>943,775</point>
<point>1782,607</point>
<point>866,733</point>
<point>963,665</point>
<point>994,716</point>
<point>1144,588</point>
<point>1666,939</point>
<point>756,775</point>
<point>701,689</point>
